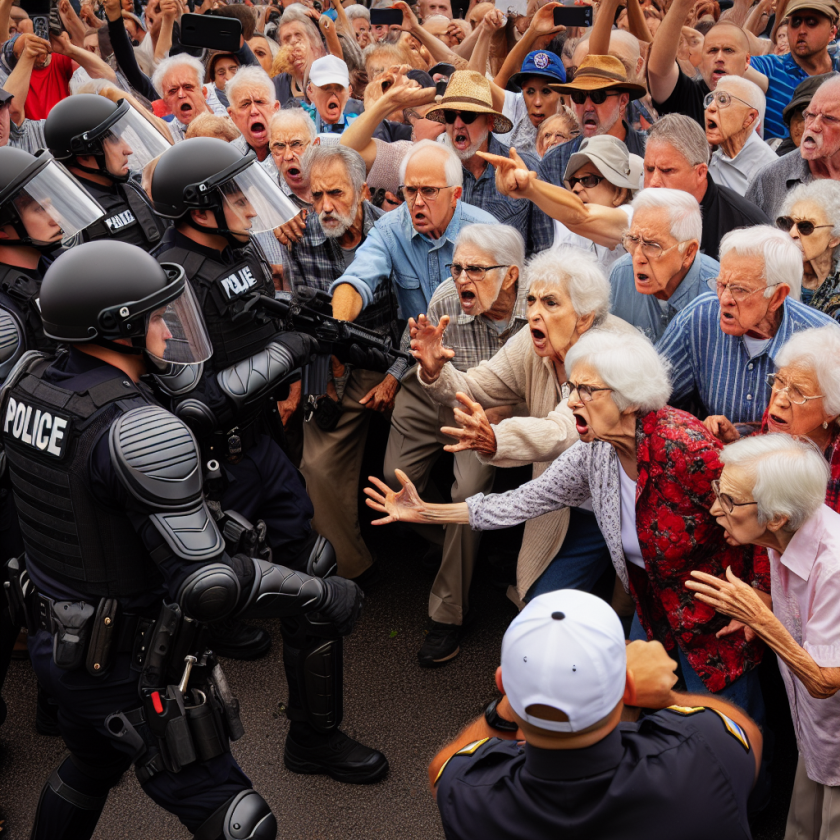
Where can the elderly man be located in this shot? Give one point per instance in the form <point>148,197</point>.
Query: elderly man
<point>291,133</point>
<point>409,249</point>
<point>179,80</point>
<point>677,156</point>
<point>328,90</point>
<point>722,347</point>
<point>481,306</point>
<point>771,494</point>
<point>252,104</point>
<point>663,270</point>
<point>427,8</point>
<point>733,112</point>
<point>818,155</point>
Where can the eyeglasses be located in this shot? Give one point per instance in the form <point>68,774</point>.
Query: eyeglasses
<point>652,250</point>
<point>739,293</point>
<point>585,392</point>
<point>781,386</point>
<point>428,193</point>
<point>804,226</point>
<point>811,117</point>
<point>598,97</point>
<point>296,146</point>
<point>723,99</point>
<point>476,273</point>
<point>726,501</point>
<point>588,181</point>
<point>467,117</point>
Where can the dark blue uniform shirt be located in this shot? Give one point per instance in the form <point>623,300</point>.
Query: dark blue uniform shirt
<point>670,776</point>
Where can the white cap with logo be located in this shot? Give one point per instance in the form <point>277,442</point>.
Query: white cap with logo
<point>565,650</point>
<point>329,70</point>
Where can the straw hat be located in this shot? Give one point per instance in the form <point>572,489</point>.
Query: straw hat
<point>469,90</point>
<point>601,72</point>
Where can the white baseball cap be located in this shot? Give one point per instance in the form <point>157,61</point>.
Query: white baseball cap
<point>565,650</point>
<point>329,70</point>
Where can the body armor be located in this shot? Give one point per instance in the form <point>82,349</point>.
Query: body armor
<point>128,217</point>
<point>19,296</point>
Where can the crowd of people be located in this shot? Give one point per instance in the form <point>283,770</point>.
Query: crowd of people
<point>607,255</point>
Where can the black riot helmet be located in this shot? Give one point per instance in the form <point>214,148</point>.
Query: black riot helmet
<point>120,139</point>
<point>41,201</point>
<point>205,173</point>
<point>103,291</point>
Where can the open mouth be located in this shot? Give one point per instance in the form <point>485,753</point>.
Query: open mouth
<point>333,108</point>
<point>467,300</point>
<point>257,130</point>
<point>590,121</point>
<point>419,218</point>
<point>711,125</point>
<point>776,421</point>
<point>461,140</point>
<point>642,279</point>
<point>581,426</point>
<point>185,109</point>
<point>717,75</point>
<point>539,339</point>
<point>294,173</point>
<point>727,318</point>
<point>809,142</point>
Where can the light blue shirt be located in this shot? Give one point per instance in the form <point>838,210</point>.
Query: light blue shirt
<point>414,263</point>
<point>648,313</point>
<point>718,367</point>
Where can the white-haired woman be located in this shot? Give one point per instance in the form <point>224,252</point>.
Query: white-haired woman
<point>648,470</point>
<point>299,35</point>
<point>568,295</point>
<point>359,16</point>
<point>770,494</point>
<point>811,215</point>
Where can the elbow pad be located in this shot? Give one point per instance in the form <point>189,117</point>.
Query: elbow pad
<point>253,378</point>
<point>278,591</point>
<point>11,342</point>
<point>178,380</point>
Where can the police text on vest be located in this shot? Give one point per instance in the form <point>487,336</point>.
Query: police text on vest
<point>36,427</point>
<point>238,283</point>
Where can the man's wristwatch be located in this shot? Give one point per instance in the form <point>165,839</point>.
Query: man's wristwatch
<point>496,721</point>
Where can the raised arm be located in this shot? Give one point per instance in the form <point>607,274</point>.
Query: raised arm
<point>438,50</point>
<point>168,11</point>
<point>479,55</point>
<point>330,34</point>
<point>542,23</point>
<point>663,71</point>
<point>95,67</point>
<point>30,50</point>
<point>124,52</point>
<point>5,12</point>
<point>72,23</point>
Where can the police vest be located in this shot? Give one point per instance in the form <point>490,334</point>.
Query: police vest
<point>48,434</point>
<point>128,216</point>
<point>236,329</point>
<point>19,295</point>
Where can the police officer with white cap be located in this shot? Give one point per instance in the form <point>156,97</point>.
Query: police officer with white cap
<point>589,765</point>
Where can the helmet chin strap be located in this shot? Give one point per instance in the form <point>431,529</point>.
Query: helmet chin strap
<point>26,241</point>
<point>227,233</point>
<point>101,169</point>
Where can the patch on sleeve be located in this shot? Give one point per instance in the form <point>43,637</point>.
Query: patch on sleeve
<point>468,750</point>
<point>686,711</point>
<point>734,730</point>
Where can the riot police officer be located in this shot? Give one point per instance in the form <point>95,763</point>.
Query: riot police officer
<point>106,146</point>
<point>124,560</point>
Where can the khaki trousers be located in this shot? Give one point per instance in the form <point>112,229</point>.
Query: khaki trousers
<point>331,463</point>
<point>415,443</point>
<point>814,809</point>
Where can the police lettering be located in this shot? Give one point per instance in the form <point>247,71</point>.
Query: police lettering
<point>36,427</point>
<point>239,283</point>
<point>120,220</point>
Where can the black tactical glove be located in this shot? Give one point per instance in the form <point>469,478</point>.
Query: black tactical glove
<point>342,603</point>
<point>366,358</point>
<point>302,347</point>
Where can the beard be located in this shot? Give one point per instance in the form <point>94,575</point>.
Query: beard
<point>466,154</point>
<point>336,224</point>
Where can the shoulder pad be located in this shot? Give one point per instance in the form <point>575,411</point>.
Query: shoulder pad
<point>156,458</point>
<point>179,379</point>
<point>11,342</point>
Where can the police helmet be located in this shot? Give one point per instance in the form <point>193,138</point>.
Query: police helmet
<point>102,291</point>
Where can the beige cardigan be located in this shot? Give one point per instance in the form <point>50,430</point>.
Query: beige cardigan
<point>513,376</point>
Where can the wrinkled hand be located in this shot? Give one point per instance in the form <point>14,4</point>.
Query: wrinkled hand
<point>691,46</point>
<point>513,178</point>
<point>403,92</point>
<point>722,428</point>
<point>290,405</point>
<point>342,603</point>
<point>731,597</point>
<point>32,47</point>
<point>733,627</point>
<point>293,230</point>
<point>653,674</point>
<point>381,398</point>
<point>427,346</point>
<point>494,20</point>
<point>403,506</point>
<point>542,23</point>
<point>410,21</point>
<point>455,31</point>
<point>169,9</point>
<point>475,432</point>
<point>62,44</point>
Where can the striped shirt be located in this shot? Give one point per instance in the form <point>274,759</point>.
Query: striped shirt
<point>29,135</point>
<point>717,368</point>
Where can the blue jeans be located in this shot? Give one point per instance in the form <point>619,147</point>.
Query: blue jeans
<point>581,561</point>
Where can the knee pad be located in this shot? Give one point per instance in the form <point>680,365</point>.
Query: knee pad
<point>245,816</point>
<point>322,561</point>
<point>315,674</point>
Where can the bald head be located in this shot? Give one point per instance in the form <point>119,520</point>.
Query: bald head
<point>726,52</point>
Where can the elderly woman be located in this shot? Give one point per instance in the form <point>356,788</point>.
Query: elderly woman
<point>264,49</point>
<point>557,129</point>
<point>299,35</point>
<point>568,295</point>
<point>770,494</point>
<point>734,110</point>
<point>811,215</point>
<point>648,470</point>
<point>221,68</point>
<point>359,16</point>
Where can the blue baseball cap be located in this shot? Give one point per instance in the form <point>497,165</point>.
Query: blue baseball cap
<point>539,63</point>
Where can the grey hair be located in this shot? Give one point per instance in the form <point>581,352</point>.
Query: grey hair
<point>788,476</point>
<point>285,116</point>
<point>169,64</point>
<point>357,11</point>
<point>576,271</point>
<point>504,242</point>
<point>295,14</point>
<point>817,348</point>
<point>395,54</point>
<point>453,171</point>
<point>250,76</point>
<point>627,363</point>
<point>749,91</point>
<point>782,259</point>
<point>627,39</point>
<point>353,163</point>
<point>684,217</point>
<point>684,134</point>
<point>824,192</point>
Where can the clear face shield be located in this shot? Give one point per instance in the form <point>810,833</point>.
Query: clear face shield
<point>253,203</point>
<point>130,144</point>
<point>175,333</point>
<point>52,206</point>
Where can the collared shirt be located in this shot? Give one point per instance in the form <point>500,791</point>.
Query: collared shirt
<point>688,766</point>
<point>648,313</point>
<point>806,599</point>
<point>783,75</point>
<point>725,210</point>
<point>413,262</point>
<point>347,116</point>
<point>29,135</point>
<point>718,367</point>
<point>771,185</point>
<point>736,173</point>
<point>553,168</point>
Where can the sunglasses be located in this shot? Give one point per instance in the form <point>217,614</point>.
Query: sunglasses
<point>467,117</point>
<point>598,97</point>
<point>805,227</point>
<point>588,181</point>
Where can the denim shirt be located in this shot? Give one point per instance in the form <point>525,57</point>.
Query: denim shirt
<point>414,263</point>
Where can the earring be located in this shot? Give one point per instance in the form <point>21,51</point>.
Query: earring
<point>825,424</point>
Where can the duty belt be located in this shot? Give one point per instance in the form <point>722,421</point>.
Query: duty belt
<point>235,442</point>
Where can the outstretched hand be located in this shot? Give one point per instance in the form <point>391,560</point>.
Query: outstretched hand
<point>427,346</point>
<point>732,597</point>
<point>403,506</point>
<point>475,432</point>
<point>513,178</point>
